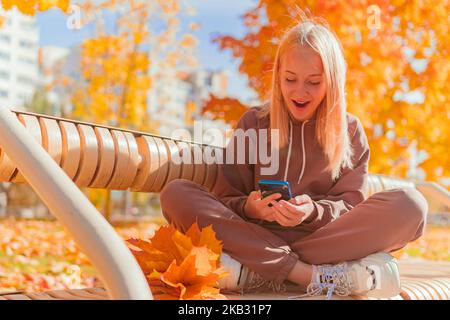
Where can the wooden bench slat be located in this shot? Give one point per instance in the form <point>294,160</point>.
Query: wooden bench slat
<point>32,125</point>
<point>187,169</point>
<point>199,168</point>
<point>148,170</point>
<point>163,168</point>
<point>133,162</point>
<point>428,289</point>
<point>97,291</point>
<point>51,138</point>
<point>16,297</point>
<point>122,158</point>
<point>89,156</point>
<point>39,296</point>
<point>174,167</point>
<point>84,294</point>
<point>211,174</point>
<point>71,148</point>
<point>107,158</point>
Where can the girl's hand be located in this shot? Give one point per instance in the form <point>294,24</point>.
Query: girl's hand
<point>293,212</point>
<point>257,208</point>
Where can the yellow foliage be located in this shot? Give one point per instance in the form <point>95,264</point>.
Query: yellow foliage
<point>115,75</point>
<point>30,7</point>
<point>115,66</point>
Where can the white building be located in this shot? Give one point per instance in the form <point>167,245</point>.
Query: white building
<point>19,71</point>
<point>167,102</point>
<point>171,93</point>
<point>206,82</point>
<point>53,62</point>
<point>203,84</point>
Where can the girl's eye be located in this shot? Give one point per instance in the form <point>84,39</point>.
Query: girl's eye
<point>314,83</point>
<point>290,80</point>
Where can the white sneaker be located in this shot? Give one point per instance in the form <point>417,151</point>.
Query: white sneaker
<point>374,276</point>
<point>234,268</point>
<point>242,279</point>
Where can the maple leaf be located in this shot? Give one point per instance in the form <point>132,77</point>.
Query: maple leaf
<point>196,273</point>
<point>206,237</point>
<point>181,266</point>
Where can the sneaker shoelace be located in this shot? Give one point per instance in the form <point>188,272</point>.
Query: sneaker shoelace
<point>333,279</point>
<point>256,282</point>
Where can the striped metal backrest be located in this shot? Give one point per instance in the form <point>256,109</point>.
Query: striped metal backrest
<point>98,156</point>
<point>105,157</point>
<point>377,183</point>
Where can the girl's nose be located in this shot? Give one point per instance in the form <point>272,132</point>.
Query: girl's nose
<point>302,94</point>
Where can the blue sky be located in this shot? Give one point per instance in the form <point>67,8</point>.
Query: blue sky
<point>214,16</point>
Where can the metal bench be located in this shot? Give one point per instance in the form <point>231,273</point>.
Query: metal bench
<point>57,156</point>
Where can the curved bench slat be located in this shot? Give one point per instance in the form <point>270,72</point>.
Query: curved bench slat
<point>7,167</point>
<point>148,169</point>
<point>107,157</point>
<point>174,160</point>
<point>51,138</point>
<point>122,157</point>
<point>133,162</point>
<point>199,165</point>
<point>163,168</point>
<point>211,173</point>
<point>89,156</point>
<point>32,125</point>
<point>71,148</point>
<point>187,168</point>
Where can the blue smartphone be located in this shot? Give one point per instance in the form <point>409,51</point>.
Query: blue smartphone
<point>269,187</point>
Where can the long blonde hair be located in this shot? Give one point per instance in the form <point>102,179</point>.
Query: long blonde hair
<point>331,121</point>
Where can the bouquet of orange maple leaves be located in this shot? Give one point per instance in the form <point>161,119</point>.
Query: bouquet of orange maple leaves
<point>181,266</point>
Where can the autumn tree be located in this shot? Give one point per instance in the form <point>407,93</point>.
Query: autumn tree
<point>31,7</point>
<point>398,68</point>
<point>119,64</point>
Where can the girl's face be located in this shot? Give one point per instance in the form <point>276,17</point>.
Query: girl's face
<point>302,81</point>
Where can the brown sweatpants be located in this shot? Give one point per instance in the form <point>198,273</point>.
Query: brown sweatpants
<point>386,221</point>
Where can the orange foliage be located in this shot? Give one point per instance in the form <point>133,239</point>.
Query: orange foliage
<point>30,7</point>
<point>383,42</point>
<point>227,109</point>
<point>181,266</point>
<point>36,256</point>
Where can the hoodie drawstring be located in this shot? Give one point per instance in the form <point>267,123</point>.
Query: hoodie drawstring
<point>303,152</point>
<point>289,152</point>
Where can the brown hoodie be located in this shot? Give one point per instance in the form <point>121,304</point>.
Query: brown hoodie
<point>303,170</point>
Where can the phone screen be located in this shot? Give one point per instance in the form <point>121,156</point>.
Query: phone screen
<point>269,187</point>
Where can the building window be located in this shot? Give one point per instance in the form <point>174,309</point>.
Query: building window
<point>3,93</point>
<point>26,44</point>
<point>26,60</point>
<point>25,80</point>
<point>5,55</point>
<point>27,25</point>
<point>22,97</point>
<point>4,75</point>
<point>5,38</point>
<point>208,81</point>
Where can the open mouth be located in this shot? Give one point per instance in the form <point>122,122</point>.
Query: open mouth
<point>300,104</point>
